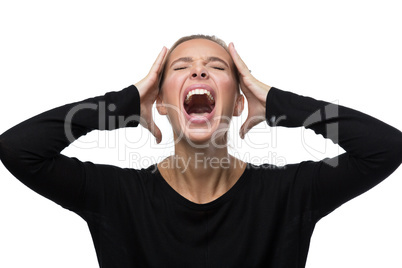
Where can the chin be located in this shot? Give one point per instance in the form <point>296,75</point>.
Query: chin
<point>205,133</point>
<point>203,138</point>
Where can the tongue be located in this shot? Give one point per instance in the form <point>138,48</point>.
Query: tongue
<point>198,106</point>
<point>199,110</point>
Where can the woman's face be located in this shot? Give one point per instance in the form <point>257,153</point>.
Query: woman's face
<point>200,93</point>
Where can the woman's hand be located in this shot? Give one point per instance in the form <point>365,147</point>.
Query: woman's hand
<point>254,90</point>
<point>148,89</point>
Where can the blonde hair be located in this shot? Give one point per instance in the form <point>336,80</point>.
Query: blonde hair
<point>212,38</point>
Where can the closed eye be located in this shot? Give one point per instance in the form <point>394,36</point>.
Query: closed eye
<point>180,68</point>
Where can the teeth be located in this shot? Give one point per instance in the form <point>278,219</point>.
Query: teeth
<point>199,91</point>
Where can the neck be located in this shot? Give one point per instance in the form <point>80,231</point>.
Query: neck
<point>201,174</point>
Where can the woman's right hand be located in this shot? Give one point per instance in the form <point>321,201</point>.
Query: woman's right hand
<point>148,90</point>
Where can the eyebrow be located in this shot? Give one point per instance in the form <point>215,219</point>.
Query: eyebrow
<point>209,59</point>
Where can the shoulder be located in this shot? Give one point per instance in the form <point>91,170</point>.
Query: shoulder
<point>290,175</point>
<point>113,178</point>
<point>282,171</point>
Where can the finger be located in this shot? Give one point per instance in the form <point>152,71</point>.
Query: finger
<point>157,66</point>
<point>241,66</point>
<point>244,88</point>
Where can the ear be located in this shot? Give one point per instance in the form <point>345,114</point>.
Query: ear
<point>160,106</point>
<point>239,105</point>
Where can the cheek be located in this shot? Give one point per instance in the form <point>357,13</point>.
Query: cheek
<point>170,84</point>
<point>228,84</point>
<point>229,89</point>
<point>171,88</point>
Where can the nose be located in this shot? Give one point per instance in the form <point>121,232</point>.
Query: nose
<point>199,73</point>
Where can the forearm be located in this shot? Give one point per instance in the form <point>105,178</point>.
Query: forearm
<point>373,148</point>
<point>31,149</point>
<point>50,132</point>
<point>361,135</point>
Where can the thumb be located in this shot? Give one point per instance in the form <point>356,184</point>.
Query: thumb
<point>154,129</point>
<point>249,124</point>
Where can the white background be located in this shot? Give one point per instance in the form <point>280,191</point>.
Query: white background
<point>54,52</point>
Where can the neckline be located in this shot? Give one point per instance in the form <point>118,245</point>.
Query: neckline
<point>195,206</point>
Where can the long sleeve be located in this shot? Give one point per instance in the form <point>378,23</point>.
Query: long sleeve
<point>31,149</point>
<point>373,148</point>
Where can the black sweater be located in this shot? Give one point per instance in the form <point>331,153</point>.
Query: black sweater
<point>265,220</point>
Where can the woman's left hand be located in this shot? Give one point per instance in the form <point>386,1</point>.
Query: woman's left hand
<point>255,92</point>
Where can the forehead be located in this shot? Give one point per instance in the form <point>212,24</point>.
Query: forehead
<point>199,48</point>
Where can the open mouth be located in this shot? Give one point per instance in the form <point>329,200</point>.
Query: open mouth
<point>199,102</point>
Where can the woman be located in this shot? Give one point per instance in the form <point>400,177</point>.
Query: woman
<point>201,207</point>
